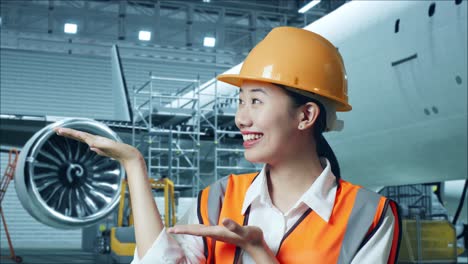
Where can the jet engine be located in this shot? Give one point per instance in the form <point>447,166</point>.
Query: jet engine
<point>62,183</point>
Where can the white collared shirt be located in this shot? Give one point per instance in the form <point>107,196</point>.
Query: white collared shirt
<point>320,197</point>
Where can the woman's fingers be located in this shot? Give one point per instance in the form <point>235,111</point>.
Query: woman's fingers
<point>196,230</point>
<point>229,232</point>
<point>74,134</point>
<point>94,141</point>
<point>203,230</point>
<point>91,140</point>
<point>98,151</point>
<point>101,145</point>
<point>220,233</point>
<point>217,232</point>
<point>233,226</point>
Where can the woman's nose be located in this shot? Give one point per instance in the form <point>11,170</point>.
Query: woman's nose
<point>242,118</point>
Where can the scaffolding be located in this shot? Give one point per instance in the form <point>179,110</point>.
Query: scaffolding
<point>217,116</point>
<point>173,118</point>
<point>171,134</point>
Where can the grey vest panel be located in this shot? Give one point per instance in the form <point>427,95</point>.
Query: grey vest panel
<point>359,222</point>
<point>216,199</point>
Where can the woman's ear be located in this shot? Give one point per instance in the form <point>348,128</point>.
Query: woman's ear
<point>308,115</point>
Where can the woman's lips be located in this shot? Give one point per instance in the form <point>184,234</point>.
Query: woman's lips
<point>250,139</point>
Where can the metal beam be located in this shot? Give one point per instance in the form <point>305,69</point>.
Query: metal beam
<point>220,30</point>
<point>50,17</point>
<point>253,28</point>
<point>121,20</point>
<point>157,22</point>
<point>189,26</point>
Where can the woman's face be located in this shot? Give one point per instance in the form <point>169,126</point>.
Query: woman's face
<point>265,119</point>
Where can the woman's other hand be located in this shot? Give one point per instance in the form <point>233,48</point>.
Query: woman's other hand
<point>230,232</point>
<point>249,238</point>
<point>103,146</point>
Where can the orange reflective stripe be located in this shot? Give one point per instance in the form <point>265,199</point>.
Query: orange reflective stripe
<point>393,257</point>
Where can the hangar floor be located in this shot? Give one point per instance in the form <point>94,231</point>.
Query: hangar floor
<point>71,256</point>
<point>58,256</point>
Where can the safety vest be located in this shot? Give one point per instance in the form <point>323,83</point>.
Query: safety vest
<point>357,214</point>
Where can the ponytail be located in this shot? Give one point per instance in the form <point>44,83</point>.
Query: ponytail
<point>324,150</point>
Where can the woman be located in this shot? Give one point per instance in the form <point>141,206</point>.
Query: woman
<point>297,209</point>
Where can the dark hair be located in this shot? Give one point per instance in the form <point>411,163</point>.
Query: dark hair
<point>323,148</point>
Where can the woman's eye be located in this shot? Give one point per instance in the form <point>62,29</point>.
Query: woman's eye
<point>240,101</point>
<point>256,101</point>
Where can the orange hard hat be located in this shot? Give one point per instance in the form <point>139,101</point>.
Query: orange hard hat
<point>299,59</point>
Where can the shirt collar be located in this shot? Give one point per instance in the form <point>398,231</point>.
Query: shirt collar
<point>320,196</point>
<point>256,189</point>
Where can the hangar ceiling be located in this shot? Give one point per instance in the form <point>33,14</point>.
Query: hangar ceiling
<point>178,29</point>
<point>237,25</point>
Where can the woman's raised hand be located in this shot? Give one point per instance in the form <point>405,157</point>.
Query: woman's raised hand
<point>147,220</point>
<point>103,146</point>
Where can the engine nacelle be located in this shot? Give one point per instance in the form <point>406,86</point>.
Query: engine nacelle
<point>62,183</point>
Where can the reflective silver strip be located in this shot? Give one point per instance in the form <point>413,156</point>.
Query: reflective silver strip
<point>216,199</point>
<point>215,202</point>
<point>362,215</point>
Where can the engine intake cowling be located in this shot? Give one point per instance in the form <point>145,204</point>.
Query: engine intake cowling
<point>62,183</point>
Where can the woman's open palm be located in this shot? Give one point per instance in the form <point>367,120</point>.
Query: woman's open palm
<point>230,232</point>
<point>101,145</point>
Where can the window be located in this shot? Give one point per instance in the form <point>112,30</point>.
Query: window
<point>397,25</point>
<point>432,9</point>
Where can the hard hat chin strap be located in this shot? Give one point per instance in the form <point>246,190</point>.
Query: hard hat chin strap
<point>333,123</point>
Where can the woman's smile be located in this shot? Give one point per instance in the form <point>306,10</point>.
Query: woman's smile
<point>251,138</point>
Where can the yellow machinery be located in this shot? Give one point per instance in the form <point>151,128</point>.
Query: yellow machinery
<point>122,237</point>
<point>428,241</point>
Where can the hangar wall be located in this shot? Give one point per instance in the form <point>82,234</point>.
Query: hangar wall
<point>27,232</point>
<point>45,83</point>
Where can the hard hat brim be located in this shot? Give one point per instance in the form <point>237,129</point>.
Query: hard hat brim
<point>237,80</point>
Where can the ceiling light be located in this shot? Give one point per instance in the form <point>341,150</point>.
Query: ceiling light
<point>206,1</point>
<point>209,42</point>
<point>70,28</point>
<point>308,6</point>
<point>144,35</point>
